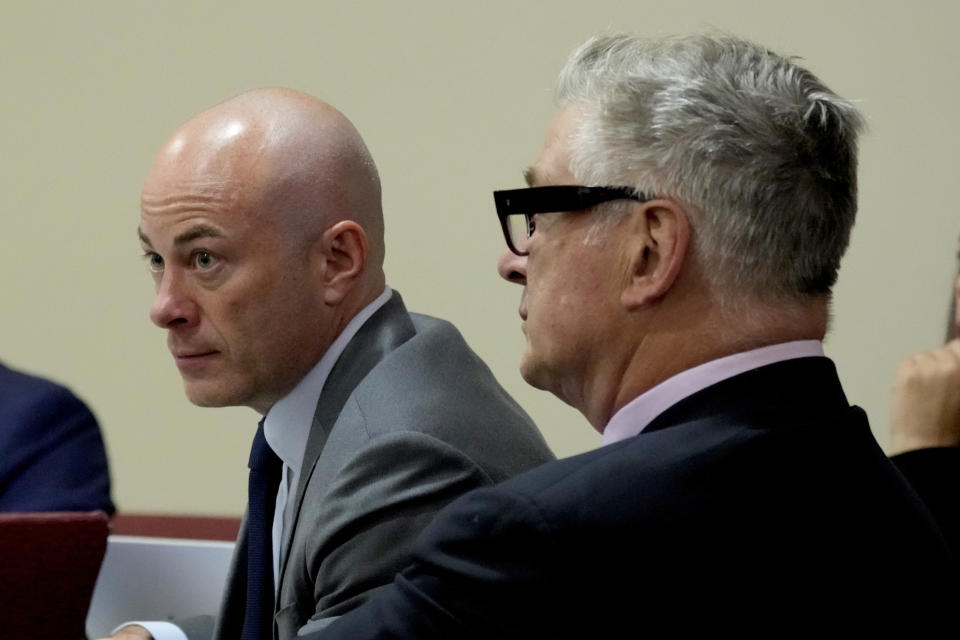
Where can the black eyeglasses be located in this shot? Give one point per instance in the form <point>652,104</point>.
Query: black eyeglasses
<point>516,207</point>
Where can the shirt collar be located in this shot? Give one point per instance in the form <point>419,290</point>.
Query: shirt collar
<point>634,416</point>
<point>287,424</point>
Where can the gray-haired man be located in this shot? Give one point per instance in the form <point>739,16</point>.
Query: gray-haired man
<point>677,246</point>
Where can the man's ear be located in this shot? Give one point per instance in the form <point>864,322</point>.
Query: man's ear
<point>344,252</point>
<point>660,238</point>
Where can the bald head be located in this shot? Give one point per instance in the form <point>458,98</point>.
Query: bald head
<point>261,224</point>
<point>275,155</point>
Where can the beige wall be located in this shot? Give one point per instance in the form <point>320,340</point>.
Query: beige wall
<point>452,98</point>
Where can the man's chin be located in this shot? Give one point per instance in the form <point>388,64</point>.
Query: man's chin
<point>532,372</point>
<point>539,375</point>
<point>204,396</point>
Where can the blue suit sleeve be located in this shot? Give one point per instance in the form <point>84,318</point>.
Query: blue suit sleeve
<point>52,456</point>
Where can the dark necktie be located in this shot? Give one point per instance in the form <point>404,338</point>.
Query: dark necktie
<point>264,481</point>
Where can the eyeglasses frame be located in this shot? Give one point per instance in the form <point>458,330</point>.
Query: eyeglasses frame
<point>555,199</point>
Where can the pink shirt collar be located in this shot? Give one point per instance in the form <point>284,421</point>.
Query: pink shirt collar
<point>634,416</point>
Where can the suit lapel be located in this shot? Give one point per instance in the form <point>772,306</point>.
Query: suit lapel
<point>386,330</point>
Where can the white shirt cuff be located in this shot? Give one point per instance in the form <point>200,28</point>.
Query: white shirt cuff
<point>159,630</point>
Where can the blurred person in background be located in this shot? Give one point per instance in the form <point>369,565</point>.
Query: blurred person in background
<point>52,456</point>
<point>925,423</point>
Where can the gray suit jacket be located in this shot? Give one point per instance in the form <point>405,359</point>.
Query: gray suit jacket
<point>408,419</point>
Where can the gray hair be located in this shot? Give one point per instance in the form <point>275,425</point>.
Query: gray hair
<point>761,152</point>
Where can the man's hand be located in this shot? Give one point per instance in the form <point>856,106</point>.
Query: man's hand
<point>131,632</point>
<point>926,400</point>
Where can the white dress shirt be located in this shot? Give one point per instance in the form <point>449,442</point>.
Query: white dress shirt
<point>286,428</point>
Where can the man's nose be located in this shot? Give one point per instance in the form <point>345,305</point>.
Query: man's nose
<point>512,268</point>
<point>172,306</point>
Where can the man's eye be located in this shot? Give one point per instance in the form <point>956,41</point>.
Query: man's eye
<point>154,261</point>
<point>204,260</point>
<point>531,224</point>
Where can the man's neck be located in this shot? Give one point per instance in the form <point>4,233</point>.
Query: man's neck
<point>678,341</point>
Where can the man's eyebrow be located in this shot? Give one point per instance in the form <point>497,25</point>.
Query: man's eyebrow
<point>199,231</point>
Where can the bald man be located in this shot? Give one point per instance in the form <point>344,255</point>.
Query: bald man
<point>262,226</point>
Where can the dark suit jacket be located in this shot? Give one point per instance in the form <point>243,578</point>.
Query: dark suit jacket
<point>935,475</point>
<point>408,419</point>
<point>760,505</point>
<point>51,453</point>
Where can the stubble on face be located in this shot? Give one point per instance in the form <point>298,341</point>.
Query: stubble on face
<point>285,167</point>
<point>256,324</point>
<point>246,330</point>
